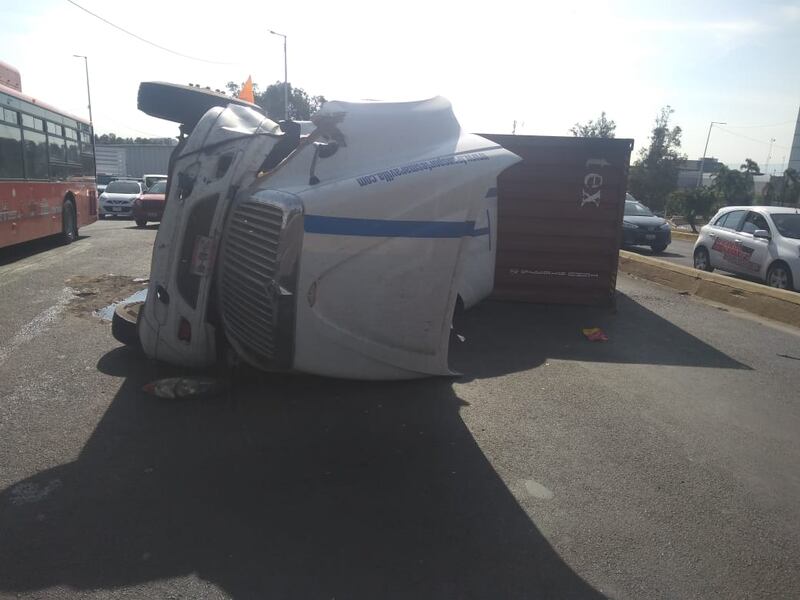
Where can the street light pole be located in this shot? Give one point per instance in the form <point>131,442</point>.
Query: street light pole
<point>285,76</point>
<point>89,97</point>
<point>703,160</point>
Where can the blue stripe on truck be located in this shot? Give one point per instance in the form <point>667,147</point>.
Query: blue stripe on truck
<point>391,228</point>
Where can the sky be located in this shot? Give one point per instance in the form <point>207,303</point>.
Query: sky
<point>544,65</point>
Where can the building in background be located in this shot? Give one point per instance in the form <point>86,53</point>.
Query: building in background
<point>132,160</point>
<point>794,156</point>
<point>689,169</point>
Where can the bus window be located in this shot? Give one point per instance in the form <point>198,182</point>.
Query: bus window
<point>35,147</point>
<point>32,122</point>
<point>10,152</point>
<point>73,155</point>
<point>58,150</point>
<point>87,162</point>
<point>54,129</point>
<point>8,115</point>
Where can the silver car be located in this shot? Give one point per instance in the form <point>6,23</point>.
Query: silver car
<point>118,197</point>
<point>759,241</point>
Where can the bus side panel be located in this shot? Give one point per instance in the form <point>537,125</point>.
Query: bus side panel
<point>31,210</point>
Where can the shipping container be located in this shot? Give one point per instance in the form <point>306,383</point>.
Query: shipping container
<point>559,219</point>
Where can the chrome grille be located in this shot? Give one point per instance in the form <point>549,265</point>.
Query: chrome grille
<point>249,264</point>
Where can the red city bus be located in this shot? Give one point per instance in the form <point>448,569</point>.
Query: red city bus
<point>47,171</point>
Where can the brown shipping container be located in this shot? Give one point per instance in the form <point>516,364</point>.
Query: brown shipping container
<point>559,219</point>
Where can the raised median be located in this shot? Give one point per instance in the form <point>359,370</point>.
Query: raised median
<point>779,305</point>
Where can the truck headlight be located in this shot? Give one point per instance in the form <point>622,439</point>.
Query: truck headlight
<point>664,227</point>
<point>627,225</point>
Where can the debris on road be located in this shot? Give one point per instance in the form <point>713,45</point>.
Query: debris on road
<point>595,334</point>
<point>98,295</point>
<point>184,387</point>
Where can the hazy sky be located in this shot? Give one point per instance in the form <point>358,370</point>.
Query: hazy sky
<point>545,65</point>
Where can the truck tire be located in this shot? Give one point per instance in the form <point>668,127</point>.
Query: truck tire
<point>124,323</point>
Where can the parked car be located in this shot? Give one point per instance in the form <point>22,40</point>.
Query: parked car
<point>117,199</point>
<point>759,241</point>
<point>102,180</point>
<point>640,227</point>
<point>150,180</point>
<point>150,205</point>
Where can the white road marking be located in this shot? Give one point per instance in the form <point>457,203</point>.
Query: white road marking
<point>38,325</point>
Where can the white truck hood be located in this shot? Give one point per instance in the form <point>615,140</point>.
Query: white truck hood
<point>343,253</point>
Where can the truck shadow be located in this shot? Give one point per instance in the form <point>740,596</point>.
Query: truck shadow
<point>290,486</point>
<point>507,337</point>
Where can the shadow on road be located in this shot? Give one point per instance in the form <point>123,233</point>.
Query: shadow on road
<point>509,337</point>
<point>24,250</point>
<point>297,486</point>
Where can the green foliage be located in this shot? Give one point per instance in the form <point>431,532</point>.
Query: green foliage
<point>733,188</point>
<point>602,128</point>
<point>750,166</point>
<point>654,175</point>
<point>790,190</point>
<point>301,104</point>
<point>113,138</point>
<point>693,203</point>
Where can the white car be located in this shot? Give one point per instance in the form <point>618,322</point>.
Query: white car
<point>117,199</point>
<point>759,241</point>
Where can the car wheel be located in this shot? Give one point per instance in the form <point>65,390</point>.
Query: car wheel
<point>69,222</point>
<point>141,222</point>
<point>702,261</point>
<point>779,276</point>
<point>658,249</point>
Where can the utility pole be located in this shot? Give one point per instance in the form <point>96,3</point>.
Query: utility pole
<point>769,155</point>
<point>89,97</point>
<point>285,76</point>
<point>703,160</point>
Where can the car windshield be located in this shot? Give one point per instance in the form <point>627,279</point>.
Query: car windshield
<point>635,209</point>
<point>159,187</point>
<point>123,187</point>
<point>788,225</point>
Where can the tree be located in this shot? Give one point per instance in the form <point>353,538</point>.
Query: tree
<point>733,188</point>
<point>113,138</point>
<point>790,191</point>
<point>750,166</point>
<point>693,203</point>
<point>602,128</point>
<point>654,175</point>
<point>301,104</point>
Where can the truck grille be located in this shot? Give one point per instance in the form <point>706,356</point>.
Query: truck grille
<point>249,263</point>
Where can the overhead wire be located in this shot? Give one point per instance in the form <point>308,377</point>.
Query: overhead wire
<point>146,41</point>
<point>746,137</point>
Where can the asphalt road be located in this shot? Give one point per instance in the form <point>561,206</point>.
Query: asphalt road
<point>660,464</point>
<point>679,251</point>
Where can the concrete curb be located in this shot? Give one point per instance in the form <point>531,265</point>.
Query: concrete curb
<point>779,305</point>
<point>684,235</point>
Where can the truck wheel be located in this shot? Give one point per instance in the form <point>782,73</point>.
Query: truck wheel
<point>140,223</point>
<point>69,222</point>
<point>658,248</point>
<point>124,323</point>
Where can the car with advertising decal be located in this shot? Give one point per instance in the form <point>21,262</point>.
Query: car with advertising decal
<point>762,242</point>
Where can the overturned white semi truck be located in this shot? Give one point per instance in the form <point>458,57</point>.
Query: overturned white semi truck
<point>342,253</point>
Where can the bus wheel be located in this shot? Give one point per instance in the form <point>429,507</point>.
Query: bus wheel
<point>69,222</point>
